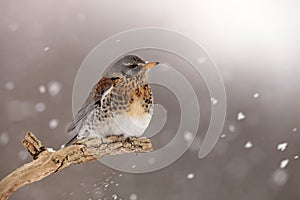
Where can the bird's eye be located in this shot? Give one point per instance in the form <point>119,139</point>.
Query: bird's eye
<point>130,65</point>
<point>133,65</point>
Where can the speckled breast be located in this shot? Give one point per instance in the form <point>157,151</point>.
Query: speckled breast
<point>125,109</point>
<point>133,101</point>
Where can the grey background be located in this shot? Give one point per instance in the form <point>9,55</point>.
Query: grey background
<point>256,47</point>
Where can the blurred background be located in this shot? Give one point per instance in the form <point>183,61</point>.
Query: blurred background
<point>254,43</point>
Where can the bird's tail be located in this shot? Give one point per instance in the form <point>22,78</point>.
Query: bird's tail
<point>70,142</point>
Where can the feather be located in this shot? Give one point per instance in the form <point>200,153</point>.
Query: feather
<point>94,98</point>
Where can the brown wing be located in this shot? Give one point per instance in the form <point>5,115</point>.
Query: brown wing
<point>93,98</point>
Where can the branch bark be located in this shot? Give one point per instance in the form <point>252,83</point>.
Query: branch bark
<point>47,161</point>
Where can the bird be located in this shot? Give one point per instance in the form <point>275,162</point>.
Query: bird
<point>120,103</point>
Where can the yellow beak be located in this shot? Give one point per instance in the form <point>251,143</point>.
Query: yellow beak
<point>150,65</point>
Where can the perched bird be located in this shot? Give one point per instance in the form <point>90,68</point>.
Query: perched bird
<point>121,103</point>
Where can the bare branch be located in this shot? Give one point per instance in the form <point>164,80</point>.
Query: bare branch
<point>47,162</point>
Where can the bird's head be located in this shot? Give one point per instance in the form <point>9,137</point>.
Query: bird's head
<point>130,66</point>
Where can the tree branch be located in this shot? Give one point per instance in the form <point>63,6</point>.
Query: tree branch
<point>47,162</point>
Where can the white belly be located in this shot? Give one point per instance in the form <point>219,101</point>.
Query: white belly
<point>132,126</point>
<point>123,124</point>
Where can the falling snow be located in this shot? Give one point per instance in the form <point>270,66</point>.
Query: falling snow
<point>108,178</point>
<point>284,163</point>
<point>114,196</point>
<point>188,136</point>
<point>53,123</point>
<point>9,85</point>
<point>133,197</point>
<point>256,95</point>
<point>248,145</point>
<point>96,189</point>
<point>42,89</point>
<point>4,138</point>
<point>40,107</point>
<point>296,157</point>
<point>295,129</point>
<point>223,136</point>
<point>232,128</point>
<point>190,176</point>
<point>23,155</point>
<point>54,88</point>
<point>280,177</point>
<point>241,116</point>
<point>282,146</point>
<point>213,100</point>
<point>46,48</point>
